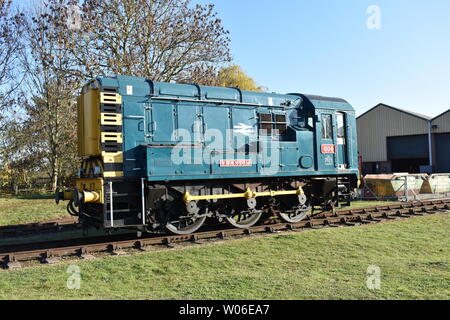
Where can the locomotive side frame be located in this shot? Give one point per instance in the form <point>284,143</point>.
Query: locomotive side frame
<point>110,195</point>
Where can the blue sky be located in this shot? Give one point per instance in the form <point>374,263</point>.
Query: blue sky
<point>324,47</point>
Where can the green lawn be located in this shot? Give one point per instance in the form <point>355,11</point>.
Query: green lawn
<point>361,204</point>
<point>413,254</point>
<point>14,210</point>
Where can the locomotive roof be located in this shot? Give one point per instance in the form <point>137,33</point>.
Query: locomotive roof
<point>138,86</point>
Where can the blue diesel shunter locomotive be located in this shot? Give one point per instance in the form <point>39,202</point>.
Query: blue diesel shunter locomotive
<point>166,156</point>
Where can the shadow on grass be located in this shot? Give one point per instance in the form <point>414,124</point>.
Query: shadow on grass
<point>29,196</point>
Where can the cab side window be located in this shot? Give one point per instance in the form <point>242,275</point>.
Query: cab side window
<point>271,124</point>
<point>340,125</point>
<point>310,121</point>
<point>265,124</point>
<point>327,127</point>
<point>280,123</point>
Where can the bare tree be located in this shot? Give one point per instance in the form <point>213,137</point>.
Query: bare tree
<point>10,44</point>
<point>21,157</point>
<point>48,93</point>
<point>165,40</point>
<point>10,78</point>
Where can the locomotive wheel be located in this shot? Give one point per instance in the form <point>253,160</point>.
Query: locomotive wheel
<point>182,218</point>
<point>295,215</point>
<point>243,215</point>
<point>243,219</point>
<point>185,225</point>
<point>294,209</point>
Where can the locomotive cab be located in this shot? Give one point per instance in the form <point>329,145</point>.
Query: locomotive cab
<point>334,125</point>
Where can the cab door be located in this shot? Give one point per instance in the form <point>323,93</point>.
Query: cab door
<point>326,141</point>
<point>341,137</point>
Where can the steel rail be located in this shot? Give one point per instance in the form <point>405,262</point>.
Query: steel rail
<point>48,252</point>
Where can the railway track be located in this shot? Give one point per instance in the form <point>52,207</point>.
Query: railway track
<point>38,228</point>
<point>48,252</point>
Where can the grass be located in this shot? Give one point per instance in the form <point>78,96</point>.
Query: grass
<point>361,204</point>
<point>31,208</point>
<point>413,254</point>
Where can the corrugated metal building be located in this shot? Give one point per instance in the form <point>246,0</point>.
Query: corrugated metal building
<point>396,140</point>
<point>441,142</point>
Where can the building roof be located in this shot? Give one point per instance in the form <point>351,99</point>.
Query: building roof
<point>414,114</point>
<point>443,113</point>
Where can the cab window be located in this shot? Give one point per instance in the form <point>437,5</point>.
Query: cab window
<point>265,124</point>
<point>327,127</point>
<point>280,123</point>
<point>271,124</point>
<point>340,125</point>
